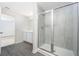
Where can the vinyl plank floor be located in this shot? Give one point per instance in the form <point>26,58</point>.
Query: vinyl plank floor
<point>20,49</point>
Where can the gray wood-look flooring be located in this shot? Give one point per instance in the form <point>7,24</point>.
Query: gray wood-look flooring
<point>20,49</point>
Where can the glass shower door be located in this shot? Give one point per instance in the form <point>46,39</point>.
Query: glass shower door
<point>58,31</point>
<point>45,31</point>
<point>65,30</point>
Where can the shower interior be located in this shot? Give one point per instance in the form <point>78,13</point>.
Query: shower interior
<point>57,30</point>
<point>45,28</point>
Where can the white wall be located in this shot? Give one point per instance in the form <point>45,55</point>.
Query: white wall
<point>23,24</point>
<point>24,28</point>
<point>18,28</point>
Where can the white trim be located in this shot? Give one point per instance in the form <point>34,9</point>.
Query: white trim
<point>44,52</point>
<point>0,50</point>
<point>35,29</point>
<point>34,51</point>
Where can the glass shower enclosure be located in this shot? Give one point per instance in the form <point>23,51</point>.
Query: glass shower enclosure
<point>57,30</point>
<point>45,30</point>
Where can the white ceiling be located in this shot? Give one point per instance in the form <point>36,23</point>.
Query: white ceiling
<point>50,5</point>
<point>24,8</point>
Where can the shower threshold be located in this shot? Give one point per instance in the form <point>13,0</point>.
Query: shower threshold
<point>58,51</point>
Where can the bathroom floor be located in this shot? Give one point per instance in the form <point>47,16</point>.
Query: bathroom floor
<point>20,49</point>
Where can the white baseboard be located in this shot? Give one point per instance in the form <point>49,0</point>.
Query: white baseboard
<point>44,52</point>
<point>18,42</point>
<point>28,42</point>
